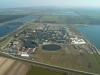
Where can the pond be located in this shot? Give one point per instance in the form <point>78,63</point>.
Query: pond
<point>51,47</point>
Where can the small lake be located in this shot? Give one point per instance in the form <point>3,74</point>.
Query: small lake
<point>7,28</point>
<point>4,29</point>
<point>51,47</point>
<point>92,33</point>
<point>65,14</point>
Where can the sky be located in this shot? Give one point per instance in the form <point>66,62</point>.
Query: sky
<point>60,3</point>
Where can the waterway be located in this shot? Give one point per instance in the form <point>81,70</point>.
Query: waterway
<point>92,33</point>
<point>7,28</point>
<point>26,19</point>
<point>65,14</point>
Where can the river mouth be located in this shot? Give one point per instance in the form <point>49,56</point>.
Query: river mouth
<point>51,47</point>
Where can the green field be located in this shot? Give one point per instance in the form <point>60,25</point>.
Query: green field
<point>32,25</point>
<point>49,19</point>
<point>40,71</point>
<point>5,41</point>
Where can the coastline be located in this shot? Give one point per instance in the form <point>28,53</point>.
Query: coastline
<point>92,45</point>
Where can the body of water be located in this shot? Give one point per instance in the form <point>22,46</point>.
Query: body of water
<point>51,47</point>
<point>7,28</point>
<point>26,19</point>
<point>92,33</point>
<point>65,14</point>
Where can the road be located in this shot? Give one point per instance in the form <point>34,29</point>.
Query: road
<point>48,66</point>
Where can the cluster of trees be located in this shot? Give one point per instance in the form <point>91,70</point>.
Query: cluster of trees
<point>71,19</point>
<point>92,20</point>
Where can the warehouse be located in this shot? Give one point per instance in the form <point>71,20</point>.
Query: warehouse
<point>61,41</point>
<point>30,44</point>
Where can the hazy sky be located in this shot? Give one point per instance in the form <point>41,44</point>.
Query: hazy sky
<point>31,3</point>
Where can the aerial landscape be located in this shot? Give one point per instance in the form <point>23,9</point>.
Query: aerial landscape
<point>49,37</point>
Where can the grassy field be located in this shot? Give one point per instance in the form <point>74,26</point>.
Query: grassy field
<point>6,40</point>
<point>49,19</point>
<point>39,71</point>
<point>32,25</point>
<point>69,58</point>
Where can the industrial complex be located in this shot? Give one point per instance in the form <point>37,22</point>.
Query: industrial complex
<point>49,41</point>
<point>26,43</point>
<point>53,44</point>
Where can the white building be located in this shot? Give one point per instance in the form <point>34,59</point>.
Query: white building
<point>16,42</point>
<point>24,54</point>
<point>77,41</point>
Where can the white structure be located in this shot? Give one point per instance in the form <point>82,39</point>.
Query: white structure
<point>34,49</point>
<point>77,41</point>
<point>24,54</point>
<point>15,42</point>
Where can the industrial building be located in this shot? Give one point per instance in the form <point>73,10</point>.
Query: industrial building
<point>30,44</point>
<point>77,40</point>
<point>61,41</point>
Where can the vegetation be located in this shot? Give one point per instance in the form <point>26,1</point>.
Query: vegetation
<point>49,19</point>
<point>32,25</point>
<point>5,41</point>
<point>40,71</point>
<point>61,58</point>
<point>5,18</point>
<point>71,19</point>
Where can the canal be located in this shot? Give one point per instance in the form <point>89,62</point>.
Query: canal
<point>7,28</point>
<point>92,33</point>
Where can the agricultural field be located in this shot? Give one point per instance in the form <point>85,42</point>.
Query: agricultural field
<point>40,71</point>
<point>12,67</point>
<point>49,19</point>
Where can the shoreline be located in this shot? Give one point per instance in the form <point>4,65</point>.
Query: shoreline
<point>92,45</point>
<point>12,20</point>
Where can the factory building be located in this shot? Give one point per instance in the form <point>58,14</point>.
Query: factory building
<point>22,54</point>
<point>15,42</point>
<point>77,40</point>
<point>61,41</point>
<point>30,44</point>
